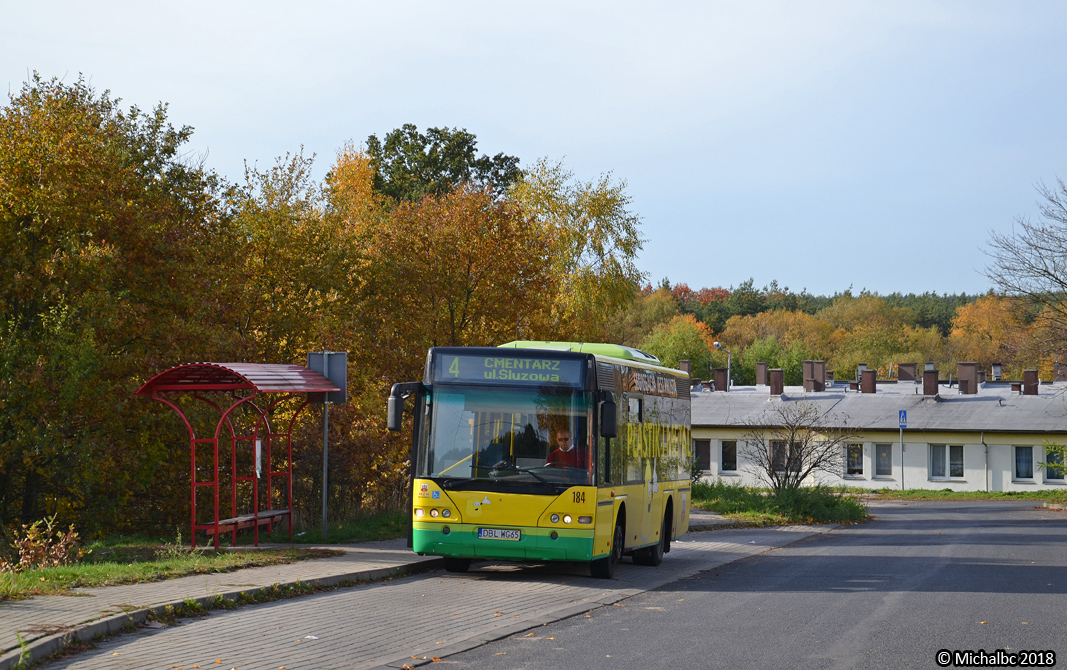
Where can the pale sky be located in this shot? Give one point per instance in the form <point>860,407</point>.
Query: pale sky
<point>822,144</point>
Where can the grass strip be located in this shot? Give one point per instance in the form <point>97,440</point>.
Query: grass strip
<point>755,506</point>
<point>378,526</point>
<point>137,564</point>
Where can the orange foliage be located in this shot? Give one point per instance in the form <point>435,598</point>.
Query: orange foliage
<point>989,331</point>
<point>786,327</point>
<point>688,298</point>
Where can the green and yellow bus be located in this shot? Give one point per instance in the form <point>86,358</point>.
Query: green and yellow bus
<point>547,451</point>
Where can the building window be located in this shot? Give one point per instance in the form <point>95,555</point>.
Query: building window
<point>1053,466</point>
<point>729,456</point>
<point>946,461</point>
<point>1024,463</point>
<point>780,460</point>
<point>703,451</point>
<point>854,460</point>
<point>883,460</point>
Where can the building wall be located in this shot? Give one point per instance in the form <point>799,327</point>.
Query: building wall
<point>989,466</point>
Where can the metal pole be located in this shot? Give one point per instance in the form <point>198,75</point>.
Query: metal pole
<point>325,441</point>
<point>902,458</point>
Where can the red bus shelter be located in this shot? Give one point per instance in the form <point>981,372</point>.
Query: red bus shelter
<point>254,390</point>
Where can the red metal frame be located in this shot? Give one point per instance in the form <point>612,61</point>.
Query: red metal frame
<point>234,379</point>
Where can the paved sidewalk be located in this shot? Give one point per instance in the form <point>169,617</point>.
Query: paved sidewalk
<point>48,623</point>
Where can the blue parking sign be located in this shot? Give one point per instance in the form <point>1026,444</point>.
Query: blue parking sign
<point>903,418</point>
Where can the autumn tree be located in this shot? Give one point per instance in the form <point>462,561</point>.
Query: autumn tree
<point>298,271</point>
<point>468,269</point>
<point>633,323</point>
<point>409,165</point>
<point>682,338</point>
<point>989,331</point>
<point>789,358</point>
<point>111,244</point>
<point>592,241</point>
<point>786,327</point>
<point>931,309</point>
<point>1030,263</point>
<point>850,312</point>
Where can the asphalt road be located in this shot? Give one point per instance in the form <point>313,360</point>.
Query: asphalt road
<point>890,594</point>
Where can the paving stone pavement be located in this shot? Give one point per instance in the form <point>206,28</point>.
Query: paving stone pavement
<point>434,614</point>
<point>45,616</point>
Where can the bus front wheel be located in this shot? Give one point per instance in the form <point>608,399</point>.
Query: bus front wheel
<point>604,568</point>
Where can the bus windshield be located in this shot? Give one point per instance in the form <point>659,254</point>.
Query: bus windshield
<point>524,435</point>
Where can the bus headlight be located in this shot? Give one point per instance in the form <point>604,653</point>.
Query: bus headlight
<point>555,518</point>
<point>446,513</point>
<point>585,519</point>
<point>434,513</point>
<point>566,518</point>
<point>419,512</point>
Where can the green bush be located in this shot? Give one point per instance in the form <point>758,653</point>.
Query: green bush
<point>815,504</point>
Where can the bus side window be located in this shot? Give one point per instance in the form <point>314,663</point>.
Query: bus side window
<point>604,460</point>
<point>635,410</point>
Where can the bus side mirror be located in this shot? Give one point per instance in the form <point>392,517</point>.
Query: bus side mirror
<point>609,419</point>
<point>395,417</point>
<point>396,413</point>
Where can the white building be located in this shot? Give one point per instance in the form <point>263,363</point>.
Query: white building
<point>990,439</point>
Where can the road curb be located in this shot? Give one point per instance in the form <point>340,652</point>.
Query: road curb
<point>42,647</point>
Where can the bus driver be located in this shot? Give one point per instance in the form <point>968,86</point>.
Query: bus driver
<point>565,452</point>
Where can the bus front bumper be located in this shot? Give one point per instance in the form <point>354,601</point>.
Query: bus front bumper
<point>535,544</point>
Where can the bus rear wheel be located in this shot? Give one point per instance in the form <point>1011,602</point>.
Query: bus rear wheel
<point>604,568</point>
<point>453,564</point>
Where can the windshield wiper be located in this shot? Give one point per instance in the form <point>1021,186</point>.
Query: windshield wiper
<point>515,468</point>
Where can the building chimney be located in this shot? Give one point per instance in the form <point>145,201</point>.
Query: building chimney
<point>930,381</point>
<point>928,367</point>
<point>859,371</point>
<point>996,371</point>
<point>761,374</point>
<point>1029,382</point>
<point>814,375</point>
<point>968,376</point>
<point>721,383</point>
<point>906,372</point>
<point>830,376</point>
<point>869,381</point>
<point>981,376</point>
<point>683,365</point>
<point>1059,372</point>
<point>777,378</point>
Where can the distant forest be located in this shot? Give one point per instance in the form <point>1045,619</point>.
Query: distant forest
<point>783,328</point>
<point>715,306</point>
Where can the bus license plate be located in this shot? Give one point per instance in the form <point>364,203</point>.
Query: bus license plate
<point>499,534</point>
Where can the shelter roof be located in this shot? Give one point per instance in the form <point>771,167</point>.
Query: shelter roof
<point>261,377</point>
<point>995,408</point>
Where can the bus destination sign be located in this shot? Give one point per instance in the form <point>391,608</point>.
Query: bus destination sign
<point>509,370</point>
